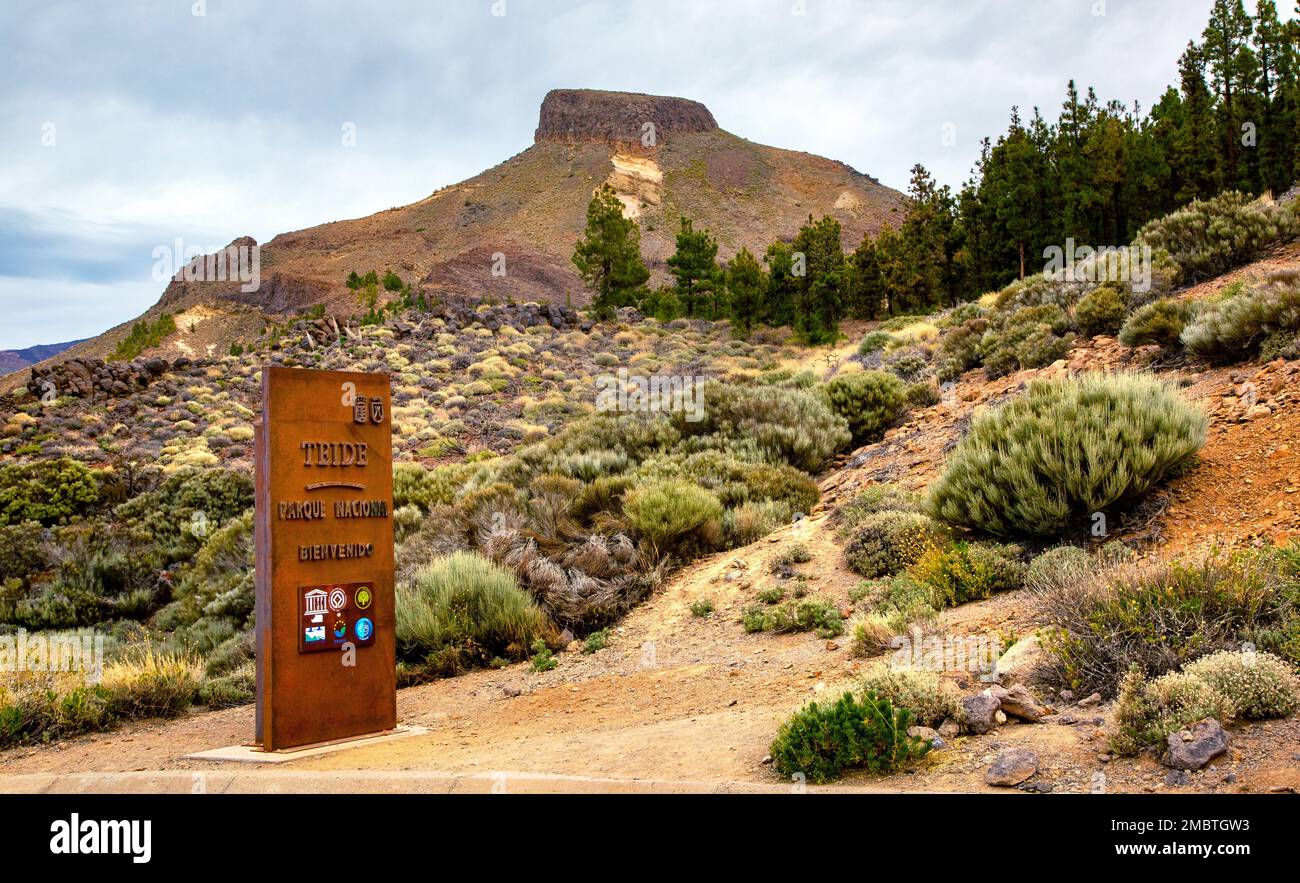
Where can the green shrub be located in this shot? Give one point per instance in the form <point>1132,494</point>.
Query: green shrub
<point>869,401</point>
<point>1259,685</point>
<point>806,615</point>
<point>22,552</point>
<point>186,508</point>
<point>1160,322</point>
<point>733,480</point>
<point>1029,337</point>
<point>930,699</point>
<point>1102,310</point>
<point>1039,290</point>
<point>218,585</point>
<point>886,542</point>
<point>596,641</point>
<point>702,609</point>
<point>908,364</point>
<point>46,491</point>
<point>922,394</point>
<point>1211,236</point>
<point>822,742</point>
<point>1157,615</point>
<point>1064,450</point>
<point>542,659</point>
<point>959,349</point>
<point>794,426</point>
<point>874,342</point>
<point>968,572</point>
<point>464,605</point>
<point>674,515</point>
<point>1051,567</point>
<point>413,485</point>
<point>229,690</point>
<point>882,497</point>
<point>1235,329</point>
<point>43,707</point>
<point>750,522</point>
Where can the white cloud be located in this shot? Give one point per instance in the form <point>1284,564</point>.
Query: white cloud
<point>170,125</point>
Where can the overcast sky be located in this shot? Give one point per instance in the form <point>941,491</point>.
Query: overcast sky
<point>124,127</point>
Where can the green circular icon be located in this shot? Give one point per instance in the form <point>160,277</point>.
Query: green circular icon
<point>363,598</point>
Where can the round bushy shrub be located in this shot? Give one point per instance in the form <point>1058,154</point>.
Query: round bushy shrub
<point>870,401</point>
<point>1160,322</point>
<point>1234,329</point>
<point>1211,236</point>
<point>1064,450</point>
<point>469,606</point>
<point>959,350</point>
<point>1259,685</point>
<point>884,543</point>
<point>823,741</point>
<point>795,426</point>
<point>874,342</point>
<point>968,572</point>
<point>1029,337</point>
<point>1102,310</point>
<point>926,694</point>
<point>47,491</point>
<point>673,514</point>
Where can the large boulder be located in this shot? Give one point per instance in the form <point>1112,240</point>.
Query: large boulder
<point>980,712</point>
<point>1022,662</point>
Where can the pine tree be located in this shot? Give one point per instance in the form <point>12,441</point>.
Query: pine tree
<point>694,266</point>
<point>820,292</point>
<point>1233,66</point>
<point>608,256</point>
<point>782,285</point>
<point>746,288</point>
<point>867,282</point>
<point>1195,156</point>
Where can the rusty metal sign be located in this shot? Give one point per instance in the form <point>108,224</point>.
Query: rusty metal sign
<point>324,537</point>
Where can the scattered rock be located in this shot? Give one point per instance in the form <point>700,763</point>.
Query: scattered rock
<point>1020,663</point>
<point>1178,778</point>
<point>1194,747</point>
<point>980,711</point>
<point>1012,767</point>
<point>927,735</point>
<point>950,729</point>
<point>1088,702</point>
<point>1017,701</point>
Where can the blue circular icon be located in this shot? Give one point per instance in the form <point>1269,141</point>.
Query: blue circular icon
<point>365,628</point>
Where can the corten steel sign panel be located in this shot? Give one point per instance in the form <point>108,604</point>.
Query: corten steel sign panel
<point>325,608</point>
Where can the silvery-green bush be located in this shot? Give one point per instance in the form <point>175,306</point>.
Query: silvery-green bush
<point>1235,328</point>
<point>1064,450</point>
<point>1211,236</point>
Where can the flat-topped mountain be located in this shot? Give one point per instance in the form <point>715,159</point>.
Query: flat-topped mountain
<point>524,215</point>
<point>618,117</point>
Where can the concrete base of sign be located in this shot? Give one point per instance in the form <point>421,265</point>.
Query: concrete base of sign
<point>253,754</point>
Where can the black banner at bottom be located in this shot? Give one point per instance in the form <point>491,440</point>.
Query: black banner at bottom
<point>134,834</point>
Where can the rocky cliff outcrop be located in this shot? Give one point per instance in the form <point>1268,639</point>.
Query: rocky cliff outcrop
<point>87,377</point>
<point>618,117</point>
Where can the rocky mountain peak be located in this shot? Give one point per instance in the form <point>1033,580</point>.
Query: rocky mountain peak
<point>618,117</point>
